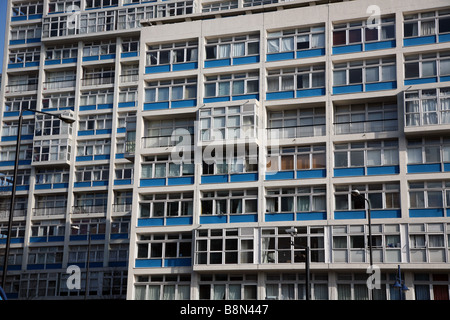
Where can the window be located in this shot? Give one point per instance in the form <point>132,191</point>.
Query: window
<point>230,122</point>
<point>97,21</point>
<point>51,205</point>
<point>94,202</point>
<point>276,245</point>
<point>166,205</point>
<point>78,254</point>
<point>90,4</point>
<point>97,97</point>
<point>22,83</point>
<point>23,178</point>
<point>57,26</point>
<point>23,33</point>
<point>296,79</point>
<point>130,45</point>
<point>228,287</point>
<point>427,65</point>
<point>369,153</point>
<point>427,242</point>
<point>59,101</point>
<point>431,194</point>
<point>27,9</point>
<point>224,246</point>
<point>164,246</point>
<point>52,150</point>
<point>301,199</point>
<point>171,90</point>
<point>368,71</point>
<point>231,84</point>
<point>381,196</point>
<point>92,226</point>
<point>51,176</point>
<point>239,160</point>
<point>45,255</point>
<point>61,52</point>
<point>94,147</point>
<point>163,287</point>
<point>106,47</point>
<point>427,106</point>
<point>296,158</point>
<point>20,103</point>
<point>128,95</point>
<point>58,80</point>
<point>98,76</point>
<point>297,123</point>
<point>219,6</point>
<point>25,56</point>
<point>124,171</point>
<point>229,202</point>
<point>8,153</point>
<point>95,122</point>
<point>426,24</point>
<point>172,53</point>
<point>11,128</point>
<point>92,173</point>
<point>369,117</point>
<point>162,166</point>
<point>169,132</point>
<point>428,150</point>
<point>292,286</point>
<point>363,32</point>
<point>59,6</point>
<point>46,125</point>
<point>232,47</point>
<point>296,39</point>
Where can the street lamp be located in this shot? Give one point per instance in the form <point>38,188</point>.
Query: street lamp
<point>67,118</point>
<point>400,284</point>
<point>86,286</point>
<point>356,194</point>
<point>293,232</point>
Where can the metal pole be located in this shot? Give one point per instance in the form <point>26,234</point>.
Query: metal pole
<point>13,199</point>
<point>86,289</point>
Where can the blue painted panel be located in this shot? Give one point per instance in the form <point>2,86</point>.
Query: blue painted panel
<point>34,40</point>
<point>13,240</point>
<point>11,113</point>
<point>105,106</point>
<point>184,103</point>
<point>153,182</point>
<point>34,16</point>
<point>180,181</point>
<point>379,45</point>
<point>216,99</point>
<point>108,56</point>
<point>156,69</point>
<point>443,79</point>
<point>120,156</point>
<point>82,184</point>
<point>83,158</point>
<point>349,172</point>
<point>426,213</point>
<point>348,89</point>
<point>185,66</point>
<point>305,216</point>
<point>148,263</point>
<point>32,64</point>
<point>178,262</point>
<point>280,56</point>
<point>78,238</point>
<point>122,182</point>
<point>178,221</point>
<point>69,60</point>
<point>245,97</point>
<point>338,215</point>
<point>213,219</point>
<point>269,217</point>
<point>100,183</point>
<point>422,168</point>
<point>86,132</point>
<point>246,60</point>
<point>117,264</point>
<point>13,42</point>
<point>43,186</point>
<point>54,266</point>
<point>88,107</point>
<point>420,81</point>
<point>215,179</point>
<point>280,175</point>
<point>19,18</point>
<point>381,86</point>
<point>310,174</point>
<point>129,54</point>
<point>127,104</point>
<point>372,171</point>
<point>419,41</point>
<point>38,239</point>
<point>243,218</point>
<point>121,130</point>
<point>118,236</point>
<point>243,177</point>
<point>310,53</point>
<point>102,157</point>
<point>444,37</point>
<point>103,131</point>
<point>446,167</point>
<point>35,266</point>
<point>385,214</point>
<point>347,49</point>
<point>280,95</point>
<point>91,58</point>
<point>156,105</point>
<point>150,222</point>
<point>52,62</point>
<point>310,92</point>
<point>15,65</point>
<point>217,63</point>
<point>60,185</point>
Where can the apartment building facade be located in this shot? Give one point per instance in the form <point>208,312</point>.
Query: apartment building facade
<point>206,129</point>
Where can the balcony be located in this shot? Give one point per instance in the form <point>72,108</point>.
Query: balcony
<point>313,130</point>
<point>49,211</point>
<point>55,85</point>
<point>130,149</point>
<point>97,81</point>
<point>183,137</point>
<point>22,87</point>
<point>89,209</point>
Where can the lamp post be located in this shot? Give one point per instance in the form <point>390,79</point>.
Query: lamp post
<point>88,258</point>
<point>67,118</point>
<point>400,284</point>
<point>356,194</point>
<point>293,232</point>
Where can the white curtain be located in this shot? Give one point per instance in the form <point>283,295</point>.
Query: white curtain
<point>287,44</point>
<point>344,292</point>
<point>427,28</point>
<point>428,68</point>
<point>183,292</point>
<point>445,107</point>
<point>224,51</point>
<point>372,74</point>
<point>238,49</point>
<point>287,292</point>
<point>160,170</point>
<point>303,204</point>
<point>318,40</point>
<point>219,292</point>
<point>169,292</point>
<point>273,45</point>
<point>272,291</point>
<point>428,106</point>
<point>287,83</point>
<point>319,203</point>
<point>140,293</point>
<point>153,293</point>
<point>234,292</point>
<point>444,67</point>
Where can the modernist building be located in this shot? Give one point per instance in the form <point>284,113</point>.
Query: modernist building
<point>205,129</point>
